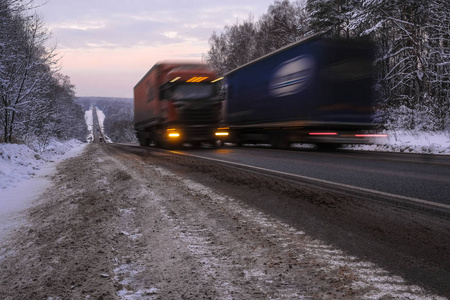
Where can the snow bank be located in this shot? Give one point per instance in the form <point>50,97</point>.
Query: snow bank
<point>19,162</point>
<point>89,122</point>
<point>24,175</point>
<point>411,142</point>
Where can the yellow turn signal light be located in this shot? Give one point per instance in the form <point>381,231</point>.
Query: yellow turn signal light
<point>222,133</point>
<point>173,133</point>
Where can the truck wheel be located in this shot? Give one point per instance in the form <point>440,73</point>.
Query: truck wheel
<point>282,145</point>
<point>240,143</point>
<point>144,142</point>
<point>159,140</point>
<point>327,146</point>
<point>214,143</point>
<point>162,143</point>
<point>279,142</point>
<point>196,144</point>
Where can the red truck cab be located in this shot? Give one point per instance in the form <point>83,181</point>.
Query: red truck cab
<point>177,103</point>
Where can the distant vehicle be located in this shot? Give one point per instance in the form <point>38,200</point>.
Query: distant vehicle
<point>177,103</point>
<point>313,91</point>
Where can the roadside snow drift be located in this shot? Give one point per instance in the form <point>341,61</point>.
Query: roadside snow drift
<point>23,176</point>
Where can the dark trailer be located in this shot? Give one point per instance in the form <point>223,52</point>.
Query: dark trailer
<point>315,91</point>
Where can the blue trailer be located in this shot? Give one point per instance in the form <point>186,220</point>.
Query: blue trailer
<point>313,91</point>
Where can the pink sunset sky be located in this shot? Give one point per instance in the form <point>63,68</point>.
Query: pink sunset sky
<point>106,46</point>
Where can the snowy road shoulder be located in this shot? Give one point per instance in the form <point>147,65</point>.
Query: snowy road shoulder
<point>24,175</point>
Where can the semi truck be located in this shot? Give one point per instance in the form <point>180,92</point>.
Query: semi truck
<point>313,91</point>
<point>177,103</point>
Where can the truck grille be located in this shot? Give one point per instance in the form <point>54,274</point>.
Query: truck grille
<point>200,116</point>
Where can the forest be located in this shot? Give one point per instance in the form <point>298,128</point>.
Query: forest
<point>37,102</point>
<point>411,38</point>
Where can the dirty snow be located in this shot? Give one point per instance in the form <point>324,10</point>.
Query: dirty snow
<point>367,276</point>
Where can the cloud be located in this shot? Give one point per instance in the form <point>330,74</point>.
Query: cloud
<point>107,45</point>
<point>81,23</point>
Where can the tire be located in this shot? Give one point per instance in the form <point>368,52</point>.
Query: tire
<point>143,142</point>
<point>327,146</point>
<point>279,141</point>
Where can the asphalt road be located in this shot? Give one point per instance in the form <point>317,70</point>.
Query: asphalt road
<point>421,177</point>
<point>95,126</point>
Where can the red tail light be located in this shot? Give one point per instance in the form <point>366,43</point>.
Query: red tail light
<point>323,133</point>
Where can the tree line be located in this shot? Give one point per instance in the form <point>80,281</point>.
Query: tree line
<point>36,101</point>
<point>412,39</point>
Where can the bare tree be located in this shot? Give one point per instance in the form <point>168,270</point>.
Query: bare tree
<point>284,23</point>
<point>26,68</point>
<point>34,98</point>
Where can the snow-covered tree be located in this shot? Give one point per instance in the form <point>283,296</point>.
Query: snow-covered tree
<point>32,93</point>
<point>413,55</point>
<point>233,48</point>
<point>437,90</point>
<point>332,17</point>
<point>245,41</point>
<point>216,56</point>
<point>283,24</point>
<point>25,67</point>
<point>412,40</point>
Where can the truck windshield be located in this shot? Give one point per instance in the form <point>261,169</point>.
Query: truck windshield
<point>192,91</point>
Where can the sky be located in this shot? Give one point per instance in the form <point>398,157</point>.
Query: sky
<point>107,46</point>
